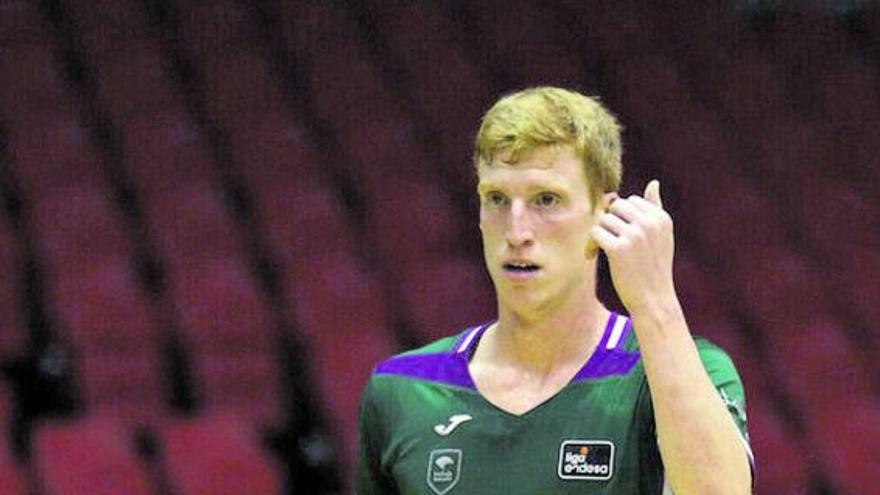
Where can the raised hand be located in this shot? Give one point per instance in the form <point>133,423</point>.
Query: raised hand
<point>636,234</point>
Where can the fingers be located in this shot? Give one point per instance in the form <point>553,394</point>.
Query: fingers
<point>652,193</point>
<point>613,223</point>
<point>605,239</point>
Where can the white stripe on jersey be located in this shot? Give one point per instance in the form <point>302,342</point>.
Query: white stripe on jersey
<point>616,332</point>
<point>467,340</point>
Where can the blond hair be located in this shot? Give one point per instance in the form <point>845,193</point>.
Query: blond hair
<point>542,116</point>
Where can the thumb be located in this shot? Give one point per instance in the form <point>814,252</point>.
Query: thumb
<point>652,193</point>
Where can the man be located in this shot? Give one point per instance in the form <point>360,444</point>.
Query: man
<point>560,395</point>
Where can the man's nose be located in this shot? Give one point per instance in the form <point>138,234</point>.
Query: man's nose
<point>519,226</point>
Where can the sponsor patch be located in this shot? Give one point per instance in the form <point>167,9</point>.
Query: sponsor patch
<point>586,460</point>
<point>444,470</point>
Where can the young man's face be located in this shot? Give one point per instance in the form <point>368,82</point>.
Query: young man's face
<point>535,216</point>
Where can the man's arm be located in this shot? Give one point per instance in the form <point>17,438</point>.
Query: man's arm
<point>699,443</point>
<point>370,477</point>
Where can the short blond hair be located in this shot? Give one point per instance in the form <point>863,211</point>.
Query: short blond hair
<point>542,116</point>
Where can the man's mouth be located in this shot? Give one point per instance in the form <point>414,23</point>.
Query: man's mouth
<point>521,267</point>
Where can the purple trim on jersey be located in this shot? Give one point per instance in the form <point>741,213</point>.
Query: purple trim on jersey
<point>446,367</point>
<point>451,367</point>
<point>609,362</point>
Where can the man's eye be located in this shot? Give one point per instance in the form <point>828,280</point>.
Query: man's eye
<point>547,199</point>
<point>495,199</point>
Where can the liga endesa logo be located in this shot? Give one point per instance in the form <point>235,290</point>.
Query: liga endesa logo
<point>586,460</point>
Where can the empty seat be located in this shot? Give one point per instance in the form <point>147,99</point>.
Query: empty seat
<point>106,24</point>
<point>127,386</point>
<point>51,150</point>
<point>341,308</point>
<point>13,479</point>
<point>231,336</point>
<point>76,227</point>
<point>32,80</point>
<point>221,308</point>
<point>781,454</point>
<point>821,365</point>
<point>387,150</point>
<point>783,292</point>
<point>135,78</point>
<point>848,431</point>
<point>273,148</point>
<point>219,455</point>
<point>21,23</point>
<point>521,49</point>
<point>446,295</point>
<point>191,224</point>
<point>237,82</point>
<point>165,149</point>
<point>93,455</point>
<point>428,227</point>
<point>735,222</point>
<point>214,27</point>
<point>117,344</point>
<point>101,308</point>
<point>12,334</point>
<point>293,213</point>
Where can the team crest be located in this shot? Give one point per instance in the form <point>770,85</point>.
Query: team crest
<point>444,470</point>
<point>586,460</point>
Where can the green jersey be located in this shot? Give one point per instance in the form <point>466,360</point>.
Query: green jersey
<point>425,429</point>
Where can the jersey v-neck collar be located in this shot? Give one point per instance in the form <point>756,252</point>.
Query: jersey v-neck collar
<point>609,358</point>
<point>451,367</point>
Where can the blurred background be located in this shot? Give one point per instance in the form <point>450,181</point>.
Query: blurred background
<point>217,217</point>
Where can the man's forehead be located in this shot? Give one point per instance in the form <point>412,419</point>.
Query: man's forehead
<point>557,164</point>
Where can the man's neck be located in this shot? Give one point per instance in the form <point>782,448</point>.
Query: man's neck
<point>549,342</point>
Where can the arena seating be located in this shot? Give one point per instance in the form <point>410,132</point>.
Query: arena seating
<point>229,212</point>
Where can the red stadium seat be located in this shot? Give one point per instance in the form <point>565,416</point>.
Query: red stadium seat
<point>106,24</point>
<point>21,23</point>
<point>273,148</point>
<point>13,479</point>
<point>232,341</point>
<point>125,386</point>
<point>52,150</point>
<point>751,89</point>
<point>341,309</point>
<point>783,292</point>
<point>192,224</point>
<point>32,80</point>
<point>848,432</point>
<point>100,308</point>
<point>221,308</point>
<point>781,454</point>
<point>430,228</point>
<point>134,78</point>
<point>343,80</point>
<point>12,335</point>
<point>388,149</point>
<point>217,455</point>
<point>447,295</point>
<point>292,212</point>
<point>698,290</point>
<point>523,52</point>
<point>821,367</point>
<point>93,456</point>
<point>165,150</point>
<point>237,82</point>
<point>735,211</point>
<point>859,284</point>
<point>826,212</point>
<point>78,226</point>
<point>214,27</point>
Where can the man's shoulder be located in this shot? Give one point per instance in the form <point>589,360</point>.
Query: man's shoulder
<point>441,361</point>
